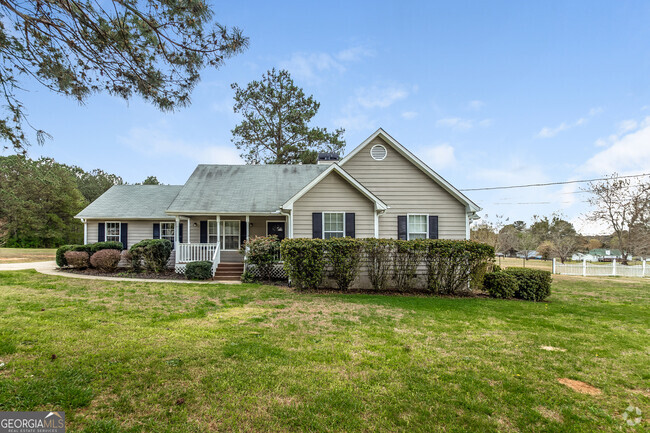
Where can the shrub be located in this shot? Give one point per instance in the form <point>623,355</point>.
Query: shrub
<point>500,284</point>
<point>109,245</point>
<point>198,270</point>
<point>77,259</point>
<point>455,266</point>
<point>406,258</point>
<point>248,277</point>
<point>60,255</point>
<point>262,252</point>
<point>303,261</point>
<point>532,284</point>
<point>344,257</point>
<point>153,252</point>
<point>378,259</point>
<point>105,260</point>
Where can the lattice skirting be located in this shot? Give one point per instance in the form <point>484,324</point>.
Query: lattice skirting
<point>277,273</point>
<point>180,268</point>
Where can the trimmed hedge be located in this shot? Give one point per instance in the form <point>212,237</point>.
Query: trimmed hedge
<point>198,270</point>
<point>344,257</point>
<point>500,284</point>
<point>153,252</point>
<point>109,245</point>
<point>304,261</point>
<point>60,253</point>
<point>77,259</point>
<point>105,260</point>
<point>532,284</point>
<point>452,267</point>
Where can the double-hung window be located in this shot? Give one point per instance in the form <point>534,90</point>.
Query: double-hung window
<point>167,231</point>
<point>212,232</point>
<point>333,225</point>
<point>418,227</point>
<point>113,232</point>
<point>230,235</point>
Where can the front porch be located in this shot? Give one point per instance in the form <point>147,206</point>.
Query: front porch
<point>218,238</point>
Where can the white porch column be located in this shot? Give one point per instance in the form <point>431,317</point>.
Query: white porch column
<point>248,227</point>
<point>189,230</point>
<point>176,229</point>
<point>86,233</point>
<point>219,230</point>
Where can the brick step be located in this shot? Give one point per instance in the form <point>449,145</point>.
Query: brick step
<point>229,267</point>
<point>228,274</point>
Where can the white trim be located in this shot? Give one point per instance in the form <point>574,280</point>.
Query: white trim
<point>122,218</point>
<point>379,205</point>
<point>277,221</point>
<point>376,225</point>
<point>248,228</point>
<point>86,232</point>
<point>408,232</point>
<point>323,222</point>
<point>119,230</point>
<point>417,162</point>
<point>208,214</point>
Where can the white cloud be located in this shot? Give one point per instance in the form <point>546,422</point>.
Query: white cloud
<point>549,132</point>
<point>475,105</point>
<point>154,142</point>
<point>408,115</point>
<point>311,67</point>
<point>461,124</point>
<point>380,96</point>
<point>440,156</point>
<point>627,153</point>
<point>627,125</point>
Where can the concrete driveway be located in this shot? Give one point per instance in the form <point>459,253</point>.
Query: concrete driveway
<point>39,266</point>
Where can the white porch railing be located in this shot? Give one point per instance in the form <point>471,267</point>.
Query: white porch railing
<point>216,259</point>
<point>186,253</point>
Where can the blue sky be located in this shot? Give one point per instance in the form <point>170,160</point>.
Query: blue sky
<point>487,93</point>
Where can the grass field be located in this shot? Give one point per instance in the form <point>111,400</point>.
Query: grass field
<point>142,357</point>
<point>22,255</point>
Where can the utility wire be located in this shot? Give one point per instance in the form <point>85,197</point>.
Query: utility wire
<point>551,183</point>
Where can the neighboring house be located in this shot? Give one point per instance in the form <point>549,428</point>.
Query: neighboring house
<point>379,190</point>
<point>578,257</point>
<point>607,255</point>
<point>531,255</point>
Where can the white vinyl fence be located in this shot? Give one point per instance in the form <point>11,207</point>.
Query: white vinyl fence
<point>612,269</point>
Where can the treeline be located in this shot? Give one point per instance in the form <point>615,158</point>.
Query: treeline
<point>39,199</point>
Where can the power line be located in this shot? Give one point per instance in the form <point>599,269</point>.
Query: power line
<point>551,183</point>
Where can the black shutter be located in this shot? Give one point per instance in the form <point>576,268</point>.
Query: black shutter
<point>433,226</point>
<point>156,230</point>
<point>242,232</point>
<point>349,224</point>
<point>101,232</point>
<point>317,225</point>
<point>180,233</point>
<point>401,227</point>
<point>124,235</point>
<point>203,236</point>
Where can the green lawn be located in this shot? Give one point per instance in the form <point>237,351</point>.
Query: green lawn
<point>163,357</point>
<point>22,255</point>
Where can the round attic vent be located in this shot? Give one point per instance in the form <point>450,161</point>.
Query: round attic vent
<point>378,152</point>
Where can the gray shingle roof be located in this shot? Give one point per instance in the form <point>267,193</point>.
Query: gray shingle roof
<point>132,201</point>
<point>242,188</point>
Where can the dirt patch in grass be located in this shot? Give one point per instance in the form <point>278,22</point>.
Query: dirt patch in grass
<point>552,349</point>
<point>549,414</point>
<point>581,387</point>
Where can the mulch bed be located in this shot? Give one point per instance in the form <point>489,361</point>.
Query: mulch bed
<point>121,273</point>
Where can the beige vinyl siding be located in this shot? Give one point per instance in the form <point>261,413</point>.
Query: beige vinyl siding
<point>137,230</point>
<point>333,194</point>
<point>406,189</point>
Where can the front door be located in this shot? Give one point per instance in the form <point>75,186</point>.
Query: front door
<point>276,228</point>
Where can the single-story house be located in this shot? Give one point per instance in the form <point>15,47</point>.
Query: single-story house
<point>380,189</point>
<point>607,255</point>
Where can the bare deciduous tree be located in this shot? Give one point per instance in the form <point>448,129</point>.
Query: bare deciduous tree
<point>624,205</point>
